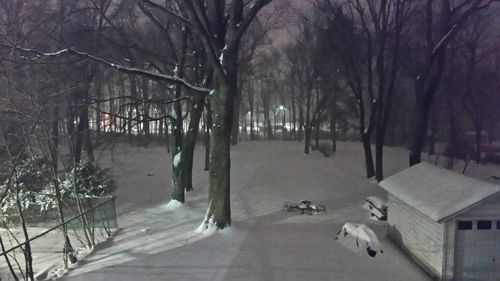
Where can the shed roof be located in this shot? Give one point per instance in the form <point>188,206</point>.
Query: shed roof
<point>436,192</point>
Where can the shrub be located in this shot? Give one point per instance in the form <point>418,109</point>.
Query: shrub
<point>90,180</point>
<point>33,185</point>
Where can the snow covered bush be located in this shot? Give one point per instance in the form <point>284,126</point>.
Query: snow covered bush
<point>25,183</point>
<point>89,180</point>
<point>34,187</point>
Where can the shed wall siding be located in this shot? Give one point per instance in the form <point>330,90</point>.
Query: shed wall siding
<point>417,234</point>
<point>450,230</point>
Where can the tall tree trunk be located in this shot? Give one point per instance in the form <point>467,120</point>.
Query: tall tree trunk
<point>251,108</point>
<point>219,210</point>
<point>316,133</point>
<point>177,163</point>
<point>370,169</point>
<point>379,149</point>
<point>235,132</point>
<point>133,111</point>
<point>83,134</point>
<point>85,131</point>
<point>308,126</point>
<point>452,133</point>
<point>161,126</point>
<point>300,134</point>
<point>433,132</point>
<point>178,184</point>
<point>53,143</point>
<point>167,136</point>
<point>208,126</point>
<point>419,134</point>
<point>266,106</point>
<point>145,108</point>
<point>189,143</point>
<point>294,115</point>
<point>333,122</point>
<point>425,95</point>
<point>98,120</point>
<point>478,128</point>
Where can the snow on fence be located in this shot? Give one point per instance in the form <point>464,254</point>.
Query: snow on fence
<point>48,245</point>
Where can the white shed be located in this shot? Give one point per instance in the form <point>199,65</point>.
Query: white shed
<point>447,222</point>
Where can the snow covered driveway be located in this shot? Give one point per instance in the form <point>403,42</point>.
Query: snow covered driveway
<point>158,242</point>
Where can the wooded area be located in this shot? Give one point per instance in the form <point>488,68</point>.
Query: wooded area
<point>77,76</point>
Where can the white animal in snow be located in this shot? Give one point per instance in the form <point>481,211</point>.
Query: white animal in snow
<point>362,235</point>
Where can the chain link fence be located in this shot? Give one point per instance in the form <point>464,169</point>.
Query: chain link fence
<point>53,243</point>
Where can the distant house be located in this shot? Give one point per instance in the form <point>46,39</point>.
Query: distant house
<point>448,223</point>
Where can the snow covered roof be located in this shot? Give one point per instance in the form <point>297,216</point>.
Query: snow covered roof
<point>437,192</point>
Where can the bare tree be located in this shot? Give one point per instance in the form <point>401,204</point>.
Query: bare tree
<point>450,18</point>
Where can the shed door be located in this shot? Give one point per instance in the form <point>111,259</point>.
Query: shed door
<point>477,251</point>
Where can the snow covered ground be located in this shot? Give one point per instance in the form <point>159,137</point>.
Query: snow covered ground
<point>159,242</point>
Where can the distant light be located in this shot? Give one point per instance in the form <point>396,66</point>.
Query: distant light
<point>281,107</point>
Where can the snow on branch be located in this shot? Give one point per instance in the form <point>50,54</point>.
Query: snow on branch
<point>139,100</point>
<point>125,69</point>
<point>476,6</point>
<point>138,118</point>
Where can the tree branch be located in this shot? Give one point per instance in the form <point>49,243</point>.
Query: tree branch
<point>128,70</point>
<point>247,19</point>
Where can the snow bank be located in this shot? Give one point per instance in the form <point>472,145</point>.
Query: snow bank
<point>209,227</point>
<point>359,238</point>
<point>173,205</point>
